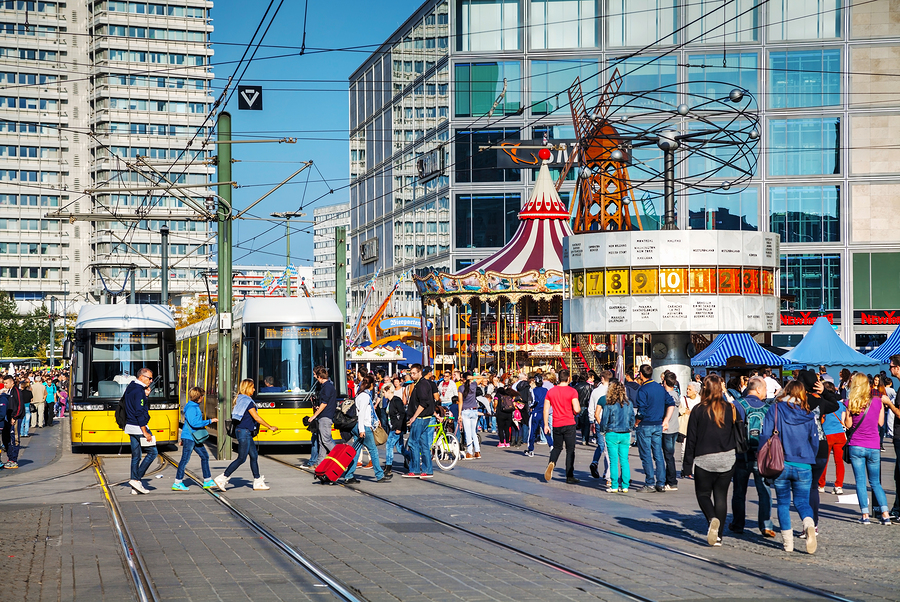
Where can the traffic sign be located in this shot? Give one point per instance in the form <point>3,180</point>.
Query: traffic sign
<point>250,98</point>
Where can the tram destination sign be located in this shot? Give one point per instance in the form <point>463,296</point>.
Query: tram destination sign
<point>296,332</point>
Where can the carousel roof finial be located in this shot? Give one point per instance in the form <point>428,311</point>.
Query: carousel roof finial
<point>544,202</point>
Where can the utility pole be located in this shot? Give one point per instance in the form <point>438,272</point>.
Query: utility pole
<point>164,296</point>
<point>223,163</point>
<point>340,269</point>
<point>287,215</point>
<point>52,330</point>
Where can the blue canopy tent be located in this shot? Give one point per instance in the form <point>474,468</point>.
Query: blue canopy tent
<point>411,355</point>
<point>740,344</point>
<point>890,347</point>
<point>823,347</point>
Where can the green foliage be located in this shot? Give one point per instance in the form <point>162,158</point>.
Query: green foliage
<point>24,335</point>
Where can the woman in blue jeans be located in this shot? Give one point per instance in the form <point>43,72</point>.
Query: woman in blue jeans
<point>796,426</point>
<point>244,410</point>
<point>193,421</point>
<point>865,415</point>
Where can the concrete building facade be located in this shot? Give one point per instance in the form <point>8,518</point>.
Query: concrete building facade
<point>326,219</point>
<point>87,88</point>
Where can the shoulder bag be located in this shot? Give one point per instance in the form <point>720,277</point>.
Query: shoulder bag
<point>849,434</point>
<point>378,433</point>
<point>771,455</point>
<point>199,434</point>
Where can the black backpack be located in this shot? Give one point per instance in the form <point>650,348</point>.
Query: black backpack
<point>120,413</point>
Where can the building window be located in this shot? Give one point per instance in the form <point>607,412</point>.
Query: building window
<point>875,282</point>
<point>805,213</point>
<point>813,280</point>
<point>709,79</point>
<point>805,78</point>
<point>641,22</point>
<point>550,81</point>
<point>486,220</point>
<point>474,165</point>
<point>647,73</point>
<point>479,85</point>
<point>487,25</point>
<point>806,20</point>
<point>564,24</point>
<point>804,146</point>
<point>708,20</point>
<point>725,211</point>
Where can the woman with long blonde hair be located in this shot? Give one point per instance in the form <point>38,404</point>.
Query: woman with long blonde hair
<point>244,411</point>
<point>709,449</point>
<point>795,423</point>
<point>865,414</point>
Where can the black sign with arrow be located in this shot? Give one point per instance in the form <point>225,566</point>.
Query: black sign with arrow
<point>250,98</point>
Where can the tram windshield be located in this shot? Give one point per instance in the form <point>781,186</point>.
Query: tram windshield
<point>288,354</point>
<point>116,358</point>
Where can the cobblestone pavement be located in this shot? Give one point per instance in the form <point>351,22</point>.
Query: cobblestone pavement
<point>58,543</point>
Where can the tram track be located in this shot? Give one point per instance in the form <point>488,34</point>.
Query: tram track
<point>141,580</point>
<point>539,559</point>
<point>338,589</point>
<point>741,570</point>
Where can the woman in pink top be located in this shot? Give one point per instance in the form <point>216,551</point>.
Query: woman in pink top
<point>865,414</point>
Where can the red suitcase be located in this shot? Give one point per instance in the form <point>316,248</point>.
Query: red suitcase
<point>335,463</point>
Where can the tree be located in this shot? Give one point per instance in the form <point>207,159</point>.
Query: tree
<point>198,315</point>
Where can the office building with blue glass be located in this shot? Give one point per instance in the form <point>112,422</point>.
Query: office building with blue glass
<point>465,74</point>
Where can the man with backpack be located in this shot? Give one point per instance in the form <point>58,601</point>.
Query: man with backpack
<point>137,417</point>
<point>9,409</point>
<point>324,413</point>
<point>752,410</point>
<point>583,386</point>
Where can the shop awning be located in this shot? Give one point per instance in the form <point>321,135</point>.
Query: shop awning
<point>741,344</point>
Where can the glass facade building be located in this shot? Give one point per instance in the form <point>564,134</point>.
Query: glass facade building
<point>822,71</point>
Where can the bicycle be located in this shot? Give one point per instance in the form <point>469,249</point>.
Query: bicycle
<point>444,447</point>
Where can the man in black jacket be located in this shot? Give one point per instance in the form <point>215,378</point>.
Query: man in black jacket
<point>327,398</point>
<point>419,413</point>
<point>137,417</point>
<point>10,408</point>
<point>584,387</point>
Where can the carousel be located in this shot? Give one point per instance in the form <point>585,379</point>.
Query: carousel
<point>505,312</point>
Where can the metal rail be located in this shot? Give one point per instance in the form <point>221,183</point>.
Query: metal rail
<point>336,587</point>
<point>140,576</point>
<point>534,558</point>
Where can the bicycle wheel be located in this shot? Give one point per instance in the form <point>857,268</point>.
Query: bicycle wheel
<point>446,452</point>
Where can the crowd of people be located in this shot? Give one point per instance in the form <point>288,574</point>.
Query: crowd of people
<point>28,400</point>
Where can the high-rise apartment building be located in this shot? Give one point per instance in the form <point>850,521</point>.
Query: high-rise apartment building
<point>86,88</point>
<point>461,75</point>
<point>326,219</point>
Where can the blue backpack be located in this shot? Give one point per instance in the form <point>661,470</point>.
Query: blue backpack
<point>753,421</point>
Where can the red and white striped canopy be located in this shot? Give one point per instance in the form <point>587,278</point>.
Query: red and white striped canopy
<point>537,244</point>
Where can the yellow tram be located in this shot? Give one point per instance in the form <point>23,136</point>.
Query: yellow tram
<point>113,342</point>
<point>276,342</point>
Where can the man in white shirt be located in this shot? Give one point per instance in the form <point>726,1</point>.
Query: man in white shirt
<point>772,386</point>
<point>447,389</point>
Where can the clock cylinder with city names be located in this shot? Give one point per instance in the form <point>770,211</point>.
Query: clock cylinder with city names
<point>671,281</point>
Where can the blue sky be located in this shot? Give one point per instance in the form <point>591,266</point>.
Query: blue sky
<point>312,108</point>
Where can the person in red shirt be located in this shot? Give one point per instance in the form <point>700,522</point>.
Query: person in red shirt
<point>564,401</point>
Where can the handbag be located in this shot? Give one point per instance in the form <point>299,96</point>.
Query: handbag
<point>740,433</point>
<point>231,428</point>
<point>850,431</point>
<point>378,433</point>
<point>200,435</point>
<point>771,455</point>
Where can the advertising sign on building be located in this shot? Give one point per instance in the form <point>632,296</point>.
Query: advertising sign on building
<point>877,317</point>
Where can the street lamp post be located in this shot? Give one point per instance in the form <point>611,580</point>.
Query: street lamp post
<point>287,215</point>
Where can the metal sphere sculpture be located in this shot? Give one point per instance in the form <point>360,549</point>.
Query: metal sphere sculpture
<point>685,135</point>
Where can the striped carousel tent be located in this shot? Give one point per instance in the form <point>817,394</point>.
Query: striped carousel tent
<point>739,344</point>
<point>537,244</point>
